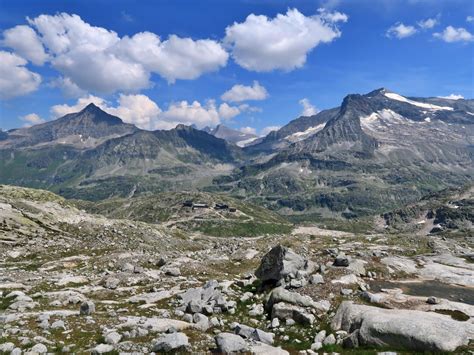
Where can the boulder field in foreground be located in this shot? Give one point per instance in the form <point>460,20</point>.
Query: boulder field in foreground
<point>397,328</point>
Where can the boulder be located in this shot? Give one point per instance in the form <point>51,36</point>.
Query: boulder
<point>102,349</point>
<point>228,343</point>
<point>341,260</point>
<point>265,349</point>
<point>400,328</point>
<point>279,294</point>
<point>286,311</point>
<point>280,262</point>
<point>87,308</point>
<point>171,342</point>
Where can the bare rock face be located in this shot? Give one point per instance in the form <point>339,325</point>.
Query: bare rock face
<point>279,263</point>
<point>408,329</point>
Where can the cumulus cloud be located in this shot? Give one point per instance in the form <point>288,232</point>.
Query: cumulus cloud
<point>139,110</point>
<point>25,42</point>
<point>190,113</point>
<point>308,108</point>
<point>248,130</point>
<point>227,112</point>
<point>399,30</point>
<point>32,119</point>
<point>452,34</point>
<point>244,93</point>
<point>175,58</point>
<point>269,129</point>
<point>264,44</point>
<point>428,23</point>
<point>335,16</point>
<point>68,87</point>
<point>470,19</point>
<point>15,78</point>
<point>452,97</point>
<point>98,60</point>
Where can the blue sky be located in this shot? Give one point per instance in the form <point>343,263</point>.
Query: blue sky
<point>159,63</point>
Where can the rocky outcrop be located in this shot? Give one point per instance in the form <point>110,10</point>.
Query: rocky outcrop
<point>406,329</point>
<point>281,262</point>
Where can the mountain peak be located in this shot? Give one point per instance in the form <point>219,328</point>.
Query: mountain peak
<point>92,108</point>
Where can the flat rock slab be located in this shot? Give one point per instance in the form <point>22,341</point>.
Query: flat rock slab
<point>400,328</point>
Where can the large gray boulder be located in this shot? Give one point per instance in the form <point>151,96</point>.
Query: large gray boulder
<point>286,311</point>
<point>171,342</point>
<point>228,343</point>
<point>280,262</point>
<point>408,329</point>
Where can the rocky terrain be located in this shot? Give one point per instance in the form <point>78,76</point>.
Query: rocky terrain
<point>73,281</point>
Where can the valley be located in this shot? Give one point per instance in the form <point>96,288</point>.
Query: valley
<point>349,231</point>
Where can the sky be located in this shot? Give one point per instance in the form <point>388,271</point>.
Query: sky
<point>253,65</point>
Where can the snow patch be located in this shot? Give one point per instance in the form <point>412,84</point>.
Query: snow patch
<point>245,142</point>
<point>299,136</point>
<point>397,97</point>
<point>428,119</point>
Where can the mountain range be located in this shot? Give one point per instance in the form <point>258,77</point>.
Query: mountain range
<point>375,152</point>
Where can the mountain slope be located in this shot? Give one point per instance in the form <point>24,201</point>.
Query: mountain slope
<point>122,160</point>
<point>381,150</point>
<point>87,128</point>
<point>239,138</point>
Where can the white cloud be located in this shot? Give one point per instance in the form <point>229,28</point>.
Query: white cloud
<point>175,58</point>
<point>264,44</point>
<point>68,87</point>
<point>333,16</point>
<point>400,31</point>
<point>139,110</point>
<point>32,119</point>
<point>190,113</point>
<point>269,129</point>
<point>248,130</point>
<point>428,23</point>
<point>143,112</point>
<point>452,34</point>
<point>243,93</point>
<point>96,59</point>
<point>452,97</point>
<point>24,41</point>
<point>470,19</point>
<point>227,112</point>
<point>15,78</point>
<point>308,108</point>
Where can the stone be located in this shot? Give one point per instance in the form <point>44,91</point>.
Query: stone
<point>113,338</point>
<point>316,346</point>
<point>172,271</point>
<point>275,323</point>
<point>278,263</point>
<point>102,349</point>
<point>316,279</point>
<point>171,342</point>
<point>320,336</point>
<point>261,336</point>
<point>432,300</point>
<point>228,343</point>
<point>112,283</point>
<point>265,349</point>
<point>59,324</point>
<point>279,294</point>
<point>87,308</point>
<point>6,348</point>
<point>329,340</point>
<point>256,310</point>
<point>400,328</point>
<point>341,260</point>
<point>286,311</point>
<point>39,349</point>
<point>201,321</point>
